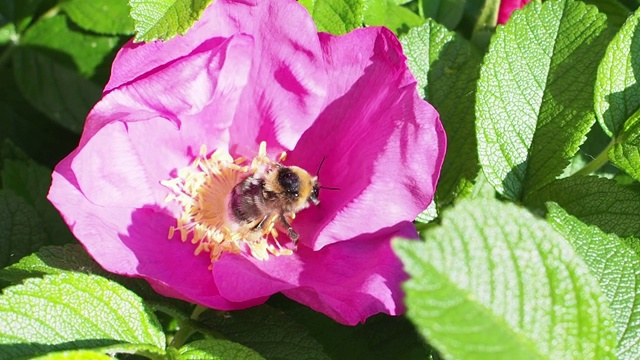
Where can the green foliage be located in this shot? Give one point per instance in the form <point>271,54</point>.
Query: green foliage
<point>100,16</point>
<point>596,201</point>
<point>31,181</point>
<point>502,284</point>
<point>267,331</point>
<point>71,311</point>
<point>445,12</point>
<point>617,269</point>
<point>15,15</point>
<point>535,94</point>
<point>617,13</point>
<point>618,96</point>
<point>164,19</point>
<point>53,59</point>
<point>381,337</point>
<point>388,13</point>
<point>447,68</point>
<point>625,153</point>
<point>217,349</point>
<point>617,89</point>
<point>51,260</point>
<point>21,231</point>
<point>337,16</point>
<point>55,37</point>
<point>45,82</point>
<point>75,355</point>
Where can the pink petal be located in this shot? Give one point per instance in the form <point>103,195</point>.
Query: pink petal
<point>509,6</point>
<point>383,145</point>
<point>348,281</point>
<point>129,145</point>
<point>134,242</point>
<point>200,91</point>
<point>287,79</point>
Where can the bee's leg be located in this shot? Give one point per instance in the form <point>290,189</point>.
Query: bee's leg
<point>293,235</point>
<point>260,224</point>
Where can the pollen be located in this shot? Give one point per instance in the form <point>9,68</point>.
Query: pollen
<point>203,191</point>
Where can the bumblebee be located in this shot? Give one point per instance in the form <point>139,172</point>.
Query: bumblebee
<point>273,196</point>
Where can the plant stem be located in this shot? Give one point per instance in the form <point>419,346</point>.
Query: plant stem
<point>182,335</point>
<point>598,162</point>
<point>50,13</point>
<point>197,312</point>
<point>486,24</point>
<point>186,330</point>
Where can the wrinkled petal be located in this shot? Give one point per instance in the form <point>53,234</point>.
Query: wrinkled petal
<point>348,281</point>
<point>381,143</point>
<point>199,92</point>
<point>130,143</point>
<point>287,80</point>
<point>509,6</point>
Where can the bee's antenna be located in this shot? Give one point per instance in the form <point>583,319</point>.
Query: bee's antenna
<point>318,176</point>
<point>320,166</point>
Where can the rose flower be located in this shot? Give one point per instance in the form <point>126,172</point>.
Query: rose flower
<point>507,7</point>
<point>182,123</point>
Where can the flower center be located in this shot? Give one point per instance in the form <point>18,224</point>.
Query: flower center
<point>204,190</point>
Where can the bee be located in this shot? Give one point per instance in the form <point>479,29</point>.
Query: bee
<point>273,196</point>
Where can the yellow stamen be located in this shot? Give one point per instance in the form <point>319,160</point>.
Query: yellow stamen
<point>203,190</point>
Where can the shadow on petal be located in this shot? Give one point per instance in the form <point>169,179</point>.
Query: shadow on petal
<point>169,265</point>
<point>348,281</point>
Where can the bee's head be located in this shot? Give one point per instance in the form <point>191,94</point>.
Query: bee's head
<point>298,185</point>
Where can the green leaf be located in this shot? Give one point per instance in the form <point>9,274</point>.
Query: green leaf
<point>101,16</point>
<point>56,90</point>
<point>388,13</point>
<point>55,37</point>
<point>617,95</point>
<point>21,231</point>
<point>217,349</point>
<point>75,355</point>
<point>625,153</point>
<point>32,182</point>
<point>380,337</point>
<point>617,269</point>
<point>617,13</point>
<point>26,128</point>
<point>52,260</point>
<point>7,32</point>
<point>267,331</point>
<point>535,93</point>
<point>164,19</point>
<point>18,12</point>
<point>495,282</point>
<point>429,214</point>
<point>447,68</point>
<point>596,201</point>
<point>336,16</point>
<point>445,12</point>
<point>73,311</point>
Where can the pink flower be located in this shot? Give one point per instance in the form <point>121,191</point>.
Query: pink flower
<point>249,73</point>
<point>507,7</point>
